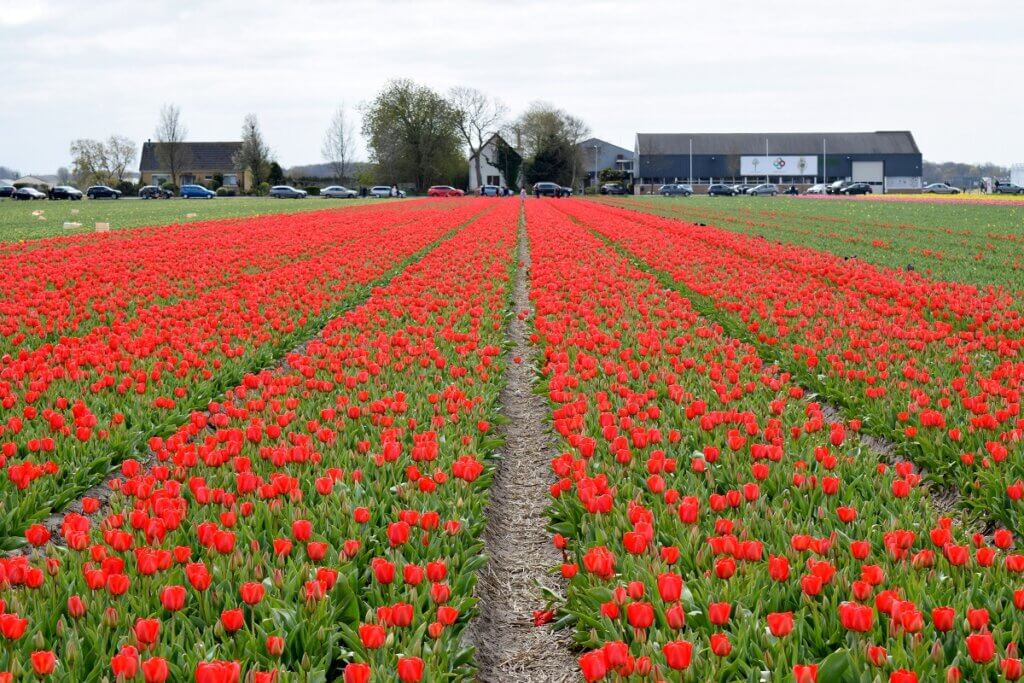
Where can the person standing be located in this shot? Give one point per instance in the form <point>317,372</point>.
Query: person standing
<point>394,190</point>
<point>522,194</point>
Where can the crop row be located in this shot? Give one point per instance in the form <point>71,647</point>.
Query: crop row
<point>320,522</point>
<point>937,367</point>
<point>716,525</point>
<point>113,341</point>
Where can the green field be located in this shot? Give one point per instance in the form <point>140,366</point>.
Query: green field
<point>17,221</point>
<point>976,243</point>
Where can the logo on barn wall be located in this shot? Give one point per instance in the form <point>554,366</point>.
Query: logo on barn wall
<point>779,163</point>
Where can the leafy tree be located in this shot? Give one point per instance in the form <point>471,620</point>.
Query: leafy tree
<point>9,173</point>
<point>121,154</point>
<point>63,175</point>
<point>171,151</point>
<point>412,134</point>
<point>276,174</point>
<point>254,154</point>
<point>89,162</point>
<point>549,139</point>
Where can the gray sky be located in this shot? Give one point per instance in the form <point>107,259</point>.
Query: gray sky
<point>948,71</point>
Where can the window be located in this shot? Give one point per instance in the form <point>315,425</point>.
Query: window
<point>230,180</point>
<point>493,180</point>
<point>160,178</point>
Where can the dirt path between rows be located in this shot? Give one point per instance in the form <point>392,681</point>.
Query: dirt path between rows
<point>519,550</point>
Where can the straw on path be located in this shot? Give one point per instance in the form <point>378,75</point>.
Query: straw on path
<point>519,549</point>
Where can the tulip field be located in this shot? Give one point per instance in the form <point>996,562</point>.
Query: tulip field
<point>265,449</point>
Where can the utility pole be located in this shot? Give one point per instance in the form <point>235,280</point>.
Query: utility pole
<point>691,162</point>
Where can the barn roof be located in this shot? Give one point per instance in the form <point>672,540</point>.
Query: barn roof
<point>878,142</point>
<point>201,155</point>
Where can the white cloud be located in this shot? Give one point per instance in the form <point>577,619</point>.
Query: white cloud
<point>747,65</point>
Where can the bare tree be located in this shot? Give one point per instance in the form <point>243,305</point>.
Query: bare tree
<point>338,145</point>
<point>120,155</point>
<point>479,117</point>
<point>171,151</point>
<point>63,175</point>
<point>254,154</point>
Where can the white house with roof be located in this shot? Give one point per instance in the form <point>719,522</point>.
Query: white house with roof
<point>490,160</point>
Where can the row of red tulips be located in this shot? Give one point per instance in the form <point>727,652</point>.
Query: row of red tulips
<point>320,523</point>
<point>113,340</point>
<point>938,367</point>
<point>716,525</point>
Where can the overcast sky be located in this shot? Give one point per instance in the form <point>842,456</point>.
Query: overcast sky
<point>951,72</point>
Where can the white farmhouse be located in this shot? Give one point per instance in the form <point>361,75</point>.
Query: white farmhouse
<point>490,160</point>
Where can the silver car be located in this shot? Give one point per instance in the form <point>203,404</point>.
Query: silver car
<point>383,191</point>
<point>764,190</point>
<point>675,189</point>
<point>287,192</point>
<point>338,192</point>
<point>941,188</point>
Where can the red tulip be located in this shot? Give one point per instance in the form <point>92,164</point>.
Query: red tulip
<point>981,647</point>
<point>720,644</point>
<point>593,666</point>
<point>805,673</point>
<point>252,592</point>
<point>147,631</point>
<point>43,662</point>
<point>410,669</point>
<point>155,670</point>
<point>232,620</point>
<point>218,672</point>
<point>678,654</point>
<point>780,623</point>
<point>357,672</point>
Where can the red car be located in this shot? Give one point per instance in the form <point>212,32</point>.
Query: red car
<point>444,191</point>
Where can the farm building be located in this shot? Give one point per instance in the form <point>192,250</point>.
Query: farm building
<point>498,161</point>
<point>200,163</point>
<point>889,160</point>
<point>597,155</point>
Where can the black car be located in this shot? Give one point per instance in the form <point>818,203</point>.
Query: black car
<point>6,190</point>
<point>856,188</point>
<point>722,190</point>
<point>28,194</point>
<point>101,191</point>
<point>65,192</point>
<point>547,190</point>
<point>154,192</point>
<point>837,187</point>
<point>612,188</point>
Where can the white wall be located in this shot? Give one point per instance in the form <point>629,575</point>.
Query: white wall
<point>485,168</point>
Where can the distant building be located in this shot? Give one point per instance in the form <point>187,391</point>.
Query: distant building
<point>1017,174</point>
<point>490,161</point>
<point>888,160</point>
<point>36,182</point>
<point>597,155</point>
<point>202,161</point>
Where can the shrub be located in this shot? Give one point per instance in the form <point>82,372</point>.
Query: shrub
<point>313,190</point>
<point>262,189</point>
<point>170,186</point>
<point>226,191</point>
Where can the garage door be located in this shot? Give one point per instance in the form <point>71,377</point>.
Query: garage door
<point>872,172</point>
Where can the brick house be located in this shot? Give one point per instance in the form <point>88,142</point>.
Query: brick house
<point>201,162</point>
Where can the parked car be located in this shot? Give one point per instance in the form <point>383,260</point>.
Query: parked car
<point>856,188</point>
<point>792,190</point>
<point>444,191</point>
<point>28,194</point>
<point>718,189</point>
<point>196,192</point>
<point>819,188</point>
<point>544,189</point>
<point>764,190</point>
<point>675,189</point>
<point>384,191</point>
<point>287,192</point>
<point>1007,188</point>
<point>612,188</point>
<point>102,192</point>
<point>6,190</point>
<point>838,186</point>
<point>338,192</point>
<point>65,192</point>
<point>744,188</point>
<point>154,192</point>
<point>490,191</point>
<point>941,188</point>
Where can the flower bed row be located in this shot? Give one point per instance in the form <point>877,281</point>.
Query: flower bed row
<point>321,522</point>
<point>938,367</point>
<point>716,526</point>
<point>175,334</point>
